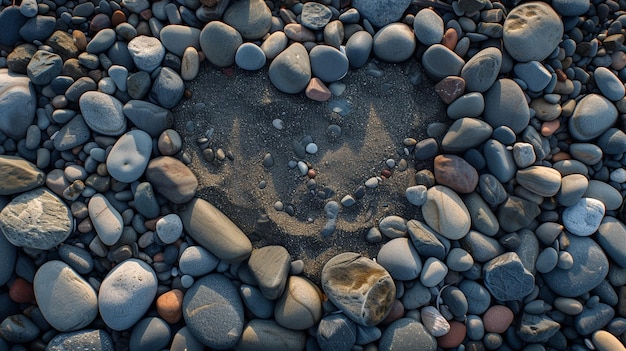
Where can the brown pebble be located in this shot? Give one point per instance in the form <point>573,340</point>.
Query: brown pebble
<point>85,226</point>
<point>560,75</point>
<point>316,90</point>
<point>311,173</point>
<point>151,223</point>
<point>455,336</point>
<point>450,38</point>
<point>560,156</point>
<point>386,173</point>
<point>118,17</point>
<point>100,22</point>
<point>548,128</point>
<point>497,319</point>
<point>188,94</point>
<point>146,14</point>
<point>170,306</point>
<point>455,173</point>
<point>79,40</point>
<point>397,312</point>
<point>158,257</point>
<point>21,291</point>
<point>450,88</point>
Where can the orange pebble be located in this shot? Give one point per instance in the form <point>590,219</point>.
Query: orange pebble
<point>497,319</point>
<point>170,306</point>
<point>118,17</point>
<point>151,223</point>
<point>80,40</point>
<point>159,257</point>
<point>455,336</point>
<point>450,38</point>
<point>560,156</point>
<point>548,128</point>
<point>21,291</point>
<point>316,90</point>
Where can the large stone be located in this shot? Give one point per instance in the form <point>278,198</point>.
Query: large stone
<point>36,219</point>
<point>219,42</point>
<point>212,229</point>
<point>507,279</point>
<point>213,311</point>
<point>18,102</point>
<point>103,113</point>
<point>290,71</point>
<point>455,173</point>
<point>610,236</point>
<point>65,299</point>
<point>300,307</point>
<point>148,117</point>
<point>584,217</point>
<point>360,287</point>
<point>536,328</point>
<point>394,42</point>
<point>172,179</point>
<point>270,267</point>
<point>17,175</point>
<point>176,38</point>
<point>445,212</point>
<point>251,18</point>
<point>481,71</point>
<point>505,105</point>
<point>541,180</point>
<point>379,13</point>
<point>43,67</point>
<point>129,156</point>
<point>532,31</point>
<point>594,114</point>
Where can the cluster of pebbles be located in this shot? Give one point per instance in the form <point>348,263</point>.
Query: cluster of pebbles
<point>105,245</point>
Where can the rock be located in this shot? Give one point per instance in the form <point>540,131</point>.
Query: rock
<point>336,332</point>
<point>534,74</point>
<point>300,307</point>
<point>536,328</point>
<point>573,187</point>
<point>593,115</point>
<point>318,91</point>
<point>434,322</point>
<point>500,161</point>
<point>428,27</point>
<point>532,31</point>
<point>11,20</point>
<point>455,173</point>
<point>433,272</point>
<point>315,16</point>
<point>481,247</point>
<point>394,42</point>
<point>150,333</point>
<point>197,261</point>
<point>610,197</point>
<point>126,293</point>
<point>593,318</point>
<point>416,194</point>
<point>506,105</point>
<point>260,335</point>
<point>613,142</point>
<point>290,71</point>
<point>256,303</point>
<point>481,71</point>
<point>468,105</point>
<point>439,62</point>
<point>251,18</point>
<point>86,339</point>
<point>445,212</point>
<point>358,48</point>
<point>459,260</point>
<point>103,113</point>
<point>455,337</point>
<point>407,334</point>
<point>270,267</point>
<point>18,103</point>
<point>298,32</point>
<point>169,228</point>
<point>605,341</point>
<point>167,89</point>
<point>129,156</point>
<point>18,175</point>
<point>426,241</point>
<point>507,279</point>
<point>106,220</point>
<point>148,117</point>
<point>219,42</point>
<point>250,57</point>
<point>610,236</point>
<point>43,67</point>
<point>608,83</point>
<point>379,14</point>
<point>450,88</point>
<point>483,219</point>
<point>177,38</point>
<point>274,44</point>
<point>393,227</point>
<point>465,133</point>
<point>65,299</point>
<point>584,217</point>
<point>36,219</point>
<point>102,41</point>
<point>8,254</point>
<point>516,213</point>
<point>368,302</point>
<point>541,180</point>
<point>328,63</point>
<point>400,259</point>
<point>63,44</point>
<point>136,6</point>
<point>589,270</point>
<point>172,179</point>
<point>210,228</point>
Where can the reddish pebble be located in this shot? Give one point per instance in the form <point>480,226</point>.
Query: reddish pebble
<point>151,223</point>
<point>548,128</point>
<point>100,22</point>
<point>311,173</point>
<point>560,156</point>
<point>188,94</point>
<point>146,14</point>
<point>228,71</point>
<point>560,75</point>
<point>80,40</point>
<point>21,291</point>
<point>159,257</point>
<point>455,336</point>
<point>316,90</point>
<point>397,312</point>
<point>497,319</point>
<point>386,173</point>
<point>118,17</point>
<point>450,88</point>
<point>450,38</point>
<point>170,306</point>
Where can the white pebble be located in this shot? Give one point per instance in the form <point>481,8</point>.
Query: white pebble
<point>278,124</point>
<point>169,228</point>
<point>311,148</point>
<point>619,175</point>
<point>304,169</point>
<point>372,183</point>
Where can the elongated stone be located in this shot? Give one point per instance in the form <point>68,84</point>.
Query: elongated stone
<point>541,180</point>
<point>18,175</point>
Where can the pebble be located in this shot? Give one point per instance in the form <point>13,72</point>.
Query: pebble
<point>106,220</point>
<point>593,318</point>
<point>440,62</point>
<point>290,72</point>
<point>367,303</point>
<point>541,180</point>
<point>129,156</point>
<point>393,227</point>
<point>250,57</point>
<point>172,178</point>
<point>300,307</point>
<point>379,14</point>
<point>434,322</point>
<point>90,339</point>
<point>18,175</point>
<point>610,197</point>
<point>416,195</point>
<point>17,104</point>
<point>169,228</point>
<point>445,212</point>
<point>505,105</point>
<point>18,329</point>
<point>65,299</point>
<point>605,341</point>
<point>454,172</point>
<point>251,18</point>
<point>151,333</point>
<point>219,42</point>
<point>584,217</point>
<point>328,63</point>
<point>315,16</point>
<point>399,257</point>
<point>40,213</point>
<point>433,272</point>
<point>404,332</point>
<point>151,118</point>
<point>507,270</point>
<point>178,38</point>
<point>358,48</point>
<point>103,113</point>
<point>534,74</point>
<point>428,27</point>
<point>593,115</point>
<point>270,266</point>
<point>43,67</point>
<point>126,293</point>
<point>466,133</point>
<point>609,235</point>
<point>336,332</point>
<point>394,42</point>
<point>609,84</point>
<point>167,89</point>
<point>532,31</point>
<point>481,71</point>
<point>102,41</point>
<point>260,335</point>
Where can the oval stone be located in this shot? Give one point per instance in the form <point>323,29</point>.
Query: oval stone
<point>18,175</point>
<point>300,307</point>
<point>360,287</point>
<point>594,114</point>
<point>260,335</point>
<point>177,38</point>
<point>445,212</point>
<point>466,133</point>
<point>87,339</point>
<point>440,62</point>
<point>219,42</point>
<point>126,293</point>
<point>65,299</point>
<point>455,173</point>
<point>481,71</point>
<point>213,311</point>
<point>610,236</point>
<point>584,217</point>
<point>103,113</point>
<point>505,105</point>
<point>36,219</point>
<point>18,103</point>
<point>394,42</point>
<point>428,27</point>
<point>172,179</point>
<point>541,180</point>
<point>129,156</point>
<point>290,71</point>
<point>106,220</point>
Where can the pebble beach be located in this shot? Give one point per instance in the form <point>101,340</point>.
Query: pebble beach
<point>511,234</point>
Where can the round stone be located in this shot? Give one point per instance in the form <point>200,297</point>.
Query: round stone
<point>466,133</point>
<point>608,83</point>
<point>251,18</point>
<point>300,307</point>
<point>147,52</point>
<point>197,261</point>
<point>428,27</point>
<point>481,71</point>
<point>584,217</point>
<point>169,228</point>
<point>150,333</point>
<point>358,48</point>
<point>220,42</point>
<point>103,113</point>
<point>445,212</point>
<point>440,62</point>
<point>455,173</point>
<point>250,57</point>
<point>505,105</point>
<point>541,180</point>
<point>177,38</point>
<point>610,237</point>
<point>532,31</point>
<point>497,319</point>
<point>167,89</point>
<point>129,156</point>
<point>594,114</point>
<point>400,259</point>
<point>394,43</point>
<point>315,16</point>
<point>416,194</point>
<point>433,272</point>
<point>328,63</point>
<point>290,71</point>
<point>380,14</point>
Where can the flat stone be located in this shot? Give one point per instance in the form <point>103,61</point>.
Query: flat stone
<point>541,180</point>
<point>516,213</point>
<point>400,259</point>
<point>428,27</point>
<point>483,218</point>
<point>612,142</point>
<point>129,156</point>
<point>440,62</point>
<point>251,18</point>
<point>197,261</point>
<point>260,335</point>
<point>394,42</point>
<point>328,63</point>
<point>505,105</point>
<point>315,16</point>
<point>584,217</point>
<point>148,117</point>
<point>609,84</point>
<point>250,57</point>
<point>360,287</point>
<point>65,299</point>
<point>610,236</point>
<point>593,115</point>
<point>481,71</point>
<point>177,38</point>
<point>336,332</point>
<point>18,103</point>
<point>210,228</point>
<point>172,179</point>
<point>468,105</point>
<point>167,88</point>
<point>86,339</point>
<point>589,270</point>
<point>536,328</point>
<point>126,293</point>
<point>219,42</point>
<point>466,133</point>
<point>455,173</point>
<point>532,31</point>
<point>290,71</point>
<point>445,212</point>
<point>270,266</point>
<point>103,113</point>
<point>426,241</point>
<point>610,197</point>
<point>507,279</point>
<point>102,41</point>
<point>36,219</point>
<point>18,175</point>
<point>450,88</point>
<point>380,14</point>
<point>169,228</point>
<point>300,307</point>
<point>106,220</point>
<point>481,247</point>
<point>407,334</point>
<point>43,67</point>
